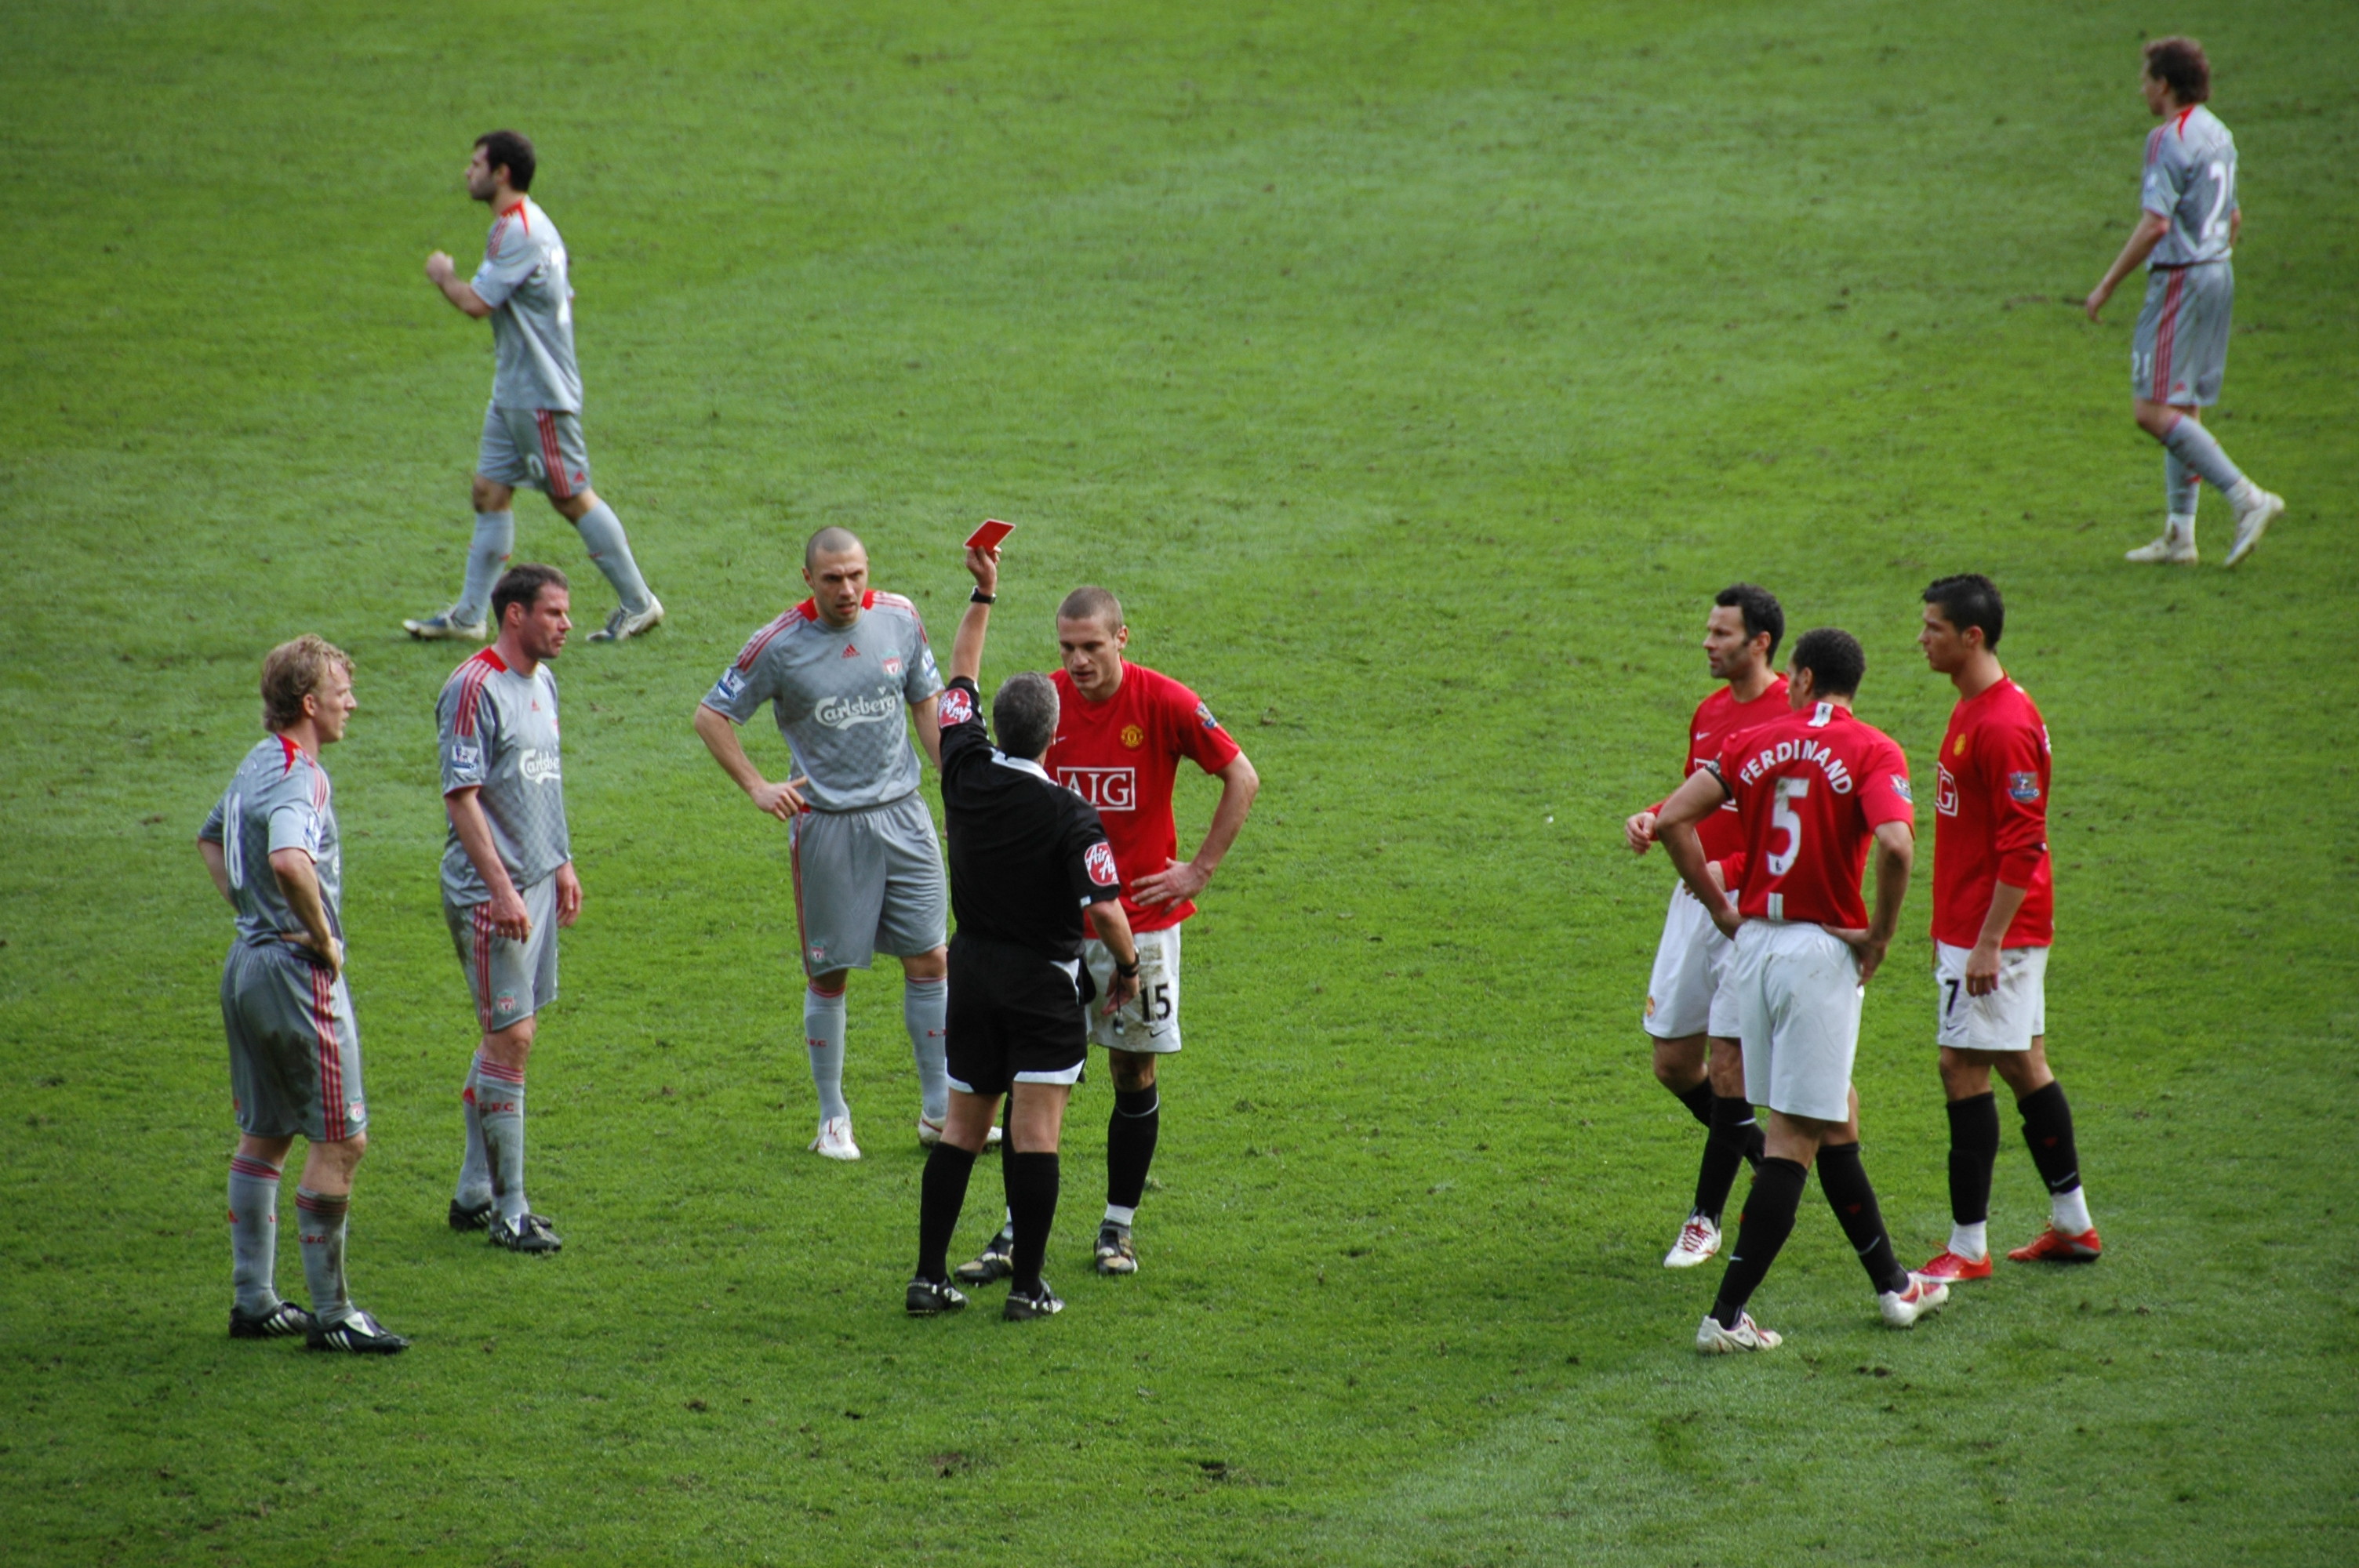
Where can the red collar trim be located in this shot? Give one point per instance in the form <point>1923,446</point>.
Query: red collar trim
<point>2182,123</point>
<point>492,658</point>
<point>293,751</point>
<point>809,607</point>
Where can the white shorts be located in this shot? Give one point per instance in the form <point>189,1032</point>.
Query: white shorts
<point>1688,994</point>
<point>2008,1019</point>
<point>1151,1024</point>
<point>1797,995</point>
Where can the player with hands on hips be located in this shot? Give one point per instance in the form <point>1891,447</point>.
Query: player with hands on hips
<point>1994,921</point>
<point>848,672</point>
<point>274,850</point>
<point>1030,871</point>
<point>1815,790</point>
<point>508,884</point>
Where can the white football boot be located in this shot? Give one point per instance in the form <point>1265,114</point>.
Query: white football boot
<point>1922,1299</point>
<point>834,1139</point>
<point>1713,1340</point>
<point>2171,549</point>
<point>622,625</point>
<point>1698,1239</point>
<point>2253,519</point>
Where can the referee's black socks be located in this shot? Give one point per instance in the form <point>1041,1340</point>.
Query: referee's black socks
<point>1130,1144</point>
<point>1762,1226</point>
<point>1032,1209</point>
<point>942,1194</point>
<point>1853,1198</point>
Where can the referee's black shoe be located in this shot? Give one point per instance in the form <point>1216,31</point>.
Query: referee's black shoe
<point>1023,1305</point>
<point>931,1298</point>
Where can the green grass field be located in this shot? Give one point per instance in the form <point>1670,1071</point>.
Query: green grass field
<point>1415,374</point>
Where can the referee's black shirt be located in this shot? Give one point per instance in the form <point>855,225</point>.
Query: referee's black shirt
<point>1027,855</point>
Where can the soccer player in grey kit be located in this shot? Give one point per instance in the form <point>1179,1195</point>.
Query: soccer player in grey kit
<point>508,883</point>
<point>843,671</point>
<point>272,847</point>
<point>2187,231</point>
<point>532,431</point>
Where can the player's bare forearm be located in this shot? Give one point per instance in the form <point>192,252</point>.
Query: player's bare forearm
<point>2143,239</point>
<point>1239,784</point>
<point>2006,901</point>
<point>298,879</point>
<point>474,830</point>
<point>927,715</point>
<point>1895,853</point>
<point>217,866</point>
<point>1685,848</point>
<point>966,645</point>
<point>1112,928</point>
<point>720,737</point>
<point>461,293</point>
<point>1698,796</point>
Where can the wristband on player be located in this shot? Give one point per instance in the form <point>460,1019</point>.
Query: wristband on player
<point>979,597</point>
<point>1127,971</point>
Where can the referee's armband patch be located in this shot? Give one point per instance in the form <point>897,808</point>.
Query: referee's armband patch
<point>1099,862</point>
<point>958,708</point>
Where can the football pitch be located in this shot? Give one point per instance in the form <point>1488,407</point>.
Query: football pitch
<point>1415,374</point>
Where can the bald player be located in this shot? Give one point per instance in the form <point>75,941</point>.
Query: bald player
<point>845,672</point>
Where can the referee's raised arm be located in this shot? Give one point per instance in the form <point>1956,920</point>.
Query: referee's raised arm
<point>967,646</point>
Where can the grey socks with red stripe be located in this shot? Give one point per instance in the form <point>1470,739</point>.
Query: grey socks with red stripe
<point>925,1005</point>
<point>824,1034</point>
<point>320,1224</point>
<point>253,1232</point>
<point>2191,444</point>
<point>474,1166</point>
<point>601,535</point>
<point>495,540</point>
<point>499,1110</point>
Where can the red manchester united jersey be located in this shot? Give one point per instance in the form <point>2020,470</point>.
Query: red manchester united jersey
<point>1717,718</point>
<point>1811,788</point>
<point>1990,819</point>
<point>1120,755</point>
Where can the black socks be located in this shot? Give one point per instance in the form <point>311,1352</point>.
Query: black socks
<point>1736,1138</point>
<point>1698,1102</point>
<point>1845,1181</point>
<point>1032,1209</point>
<point>1974,1149</point>
<point>1767,1219</point>
<point>1130,1144</point>
<point>942,1194</point>
<point>2048,1131</point>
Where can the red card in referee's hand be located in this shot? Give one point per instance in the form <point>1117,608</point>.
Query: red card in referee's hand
<point>989,534</point>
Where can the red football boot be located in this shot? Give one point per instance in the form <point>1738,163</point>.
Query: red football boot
<point>1950,1268</point>
<point>2052,1246</point>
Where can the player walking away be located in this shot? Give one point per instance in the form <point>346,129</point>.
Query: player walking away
<point>508,883</point>
<point>1813,790</point>
<point>1994,918</point>
<point>2187,231</point>
<point>1122,731</point>
<point>840,670</point>
<point>273,849</point>
<point>532,431</point>
<point>1691,1010</point>
<point>1029,862</point>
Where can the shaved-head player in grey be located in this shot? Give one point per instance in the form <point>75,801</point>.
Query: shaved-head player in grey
<point>532,431</point>
<point>843,672</point>
<point>272,848</point>
<point>2187,231</point>
<point>508,883</point>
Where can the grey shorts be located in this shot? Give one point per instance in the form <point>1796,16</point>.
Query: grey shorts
<point>866,881</point>
<point>2181,352</point>
<point>510,980</point>
<point>294,1049</point>
<point>534,448</point>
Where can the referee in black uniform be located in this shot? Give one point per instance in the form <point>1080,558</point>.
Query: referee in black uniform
<point>1028,860</point>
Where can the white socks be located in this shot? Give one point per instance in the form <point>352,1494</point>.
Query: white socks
<point>2069,1212</point>
<point>1971,1240</point>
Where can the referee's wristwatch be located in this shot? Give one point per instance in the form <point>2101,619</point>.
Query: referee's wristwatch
<point>979,597</point>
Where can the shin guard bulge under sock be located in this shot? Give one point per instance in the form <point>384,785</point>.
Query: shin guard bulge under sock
<point>253,1232</point>
<point>1698,1102</point>
<point>1724,1153</point>
<point>499,1108</point>
<point>494,541</point>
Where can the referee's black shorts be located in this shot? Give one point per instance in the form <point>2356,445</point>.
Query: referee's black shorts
<point>1013,1017</point>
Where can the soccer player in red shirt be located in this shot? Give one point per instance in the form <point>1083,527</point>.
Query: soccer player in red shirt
<point>1691,1010</point>
<point>1813,791</point>
<point>1994,918</point>
<point>1122,732</point>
